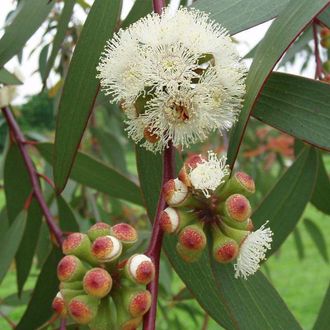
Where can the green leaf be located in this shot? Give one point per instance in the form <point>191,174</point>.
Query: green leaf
<point>30,15</point>
<point>14,300</point>
<point>11,242</point>
<point>297,106</point>
<point>39,309</point>
<point>81,86</point>
<point>43,60</point>
<point>27,248</point>
<point>140,9</point>
<point>242,14</point>
<point>67,219</point>
<point>284,30</point>
<point>318,238</point>
<point>60,35</point>
<point>8,78</point>
<point>324,17</point>
<point>320,198</point>
<point>285,203</point>
<point>217,295</point>
<point>94,174</point>
<point>299,244</point>
<point>17,182</point>
<point>323,318</point>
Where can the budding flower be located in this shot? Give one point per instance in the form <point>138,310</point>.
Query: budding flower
<point>125,233</point>
<point>79,245</point>
<point>83,308</point>
<point>58,305</point>
<point>253,251</point>
<point>97,282</point>
<point>172,220</point>
<point>70,268</point>
<point>106,248</point>
<point>236,207</point>
<point>97,230</point>
<point>140,269</point>
<point>137,302</point>
<point>175,192</point>
<point>192,237</point>
<point>189,165</point>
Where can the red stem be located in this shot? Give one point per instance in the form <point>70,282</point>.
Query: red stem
<point>319,69</point>
<point>155,244</point>
<point>21,143</point>
<point>158,6</point>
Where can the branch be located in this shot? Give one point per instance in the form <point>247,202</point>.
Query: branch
<point>158,6</point>
<point>21,143</point>
<point>319,69</point>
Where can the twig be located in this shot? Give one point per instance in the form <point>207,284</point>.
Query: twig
<point>9,321</point>
<point>319,69</point>
<point>206,321</point>
<point>21,143</point>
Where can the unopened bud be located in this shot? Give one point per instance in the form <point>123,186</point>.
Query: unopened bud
<point>325,32</point>
<point>244,225</point>
<point>106,248</point>
<point>125,233</point>
<point>97,230</point>
<point>176,193</point>
<point>58,305</point>
<point>69,294</point>
<point>137,302</point>
<point>70,268</point>
<point>97,282</point>
<point>188,255</point>
<point>172,220</point>
<point>188,166</point>
<point>75,285</point>
<point>140,269</point>
<point>83,308</point>
<point>236,207</point>
<point>192,237</point>
<point>325,43</point>
<point>79,245</point>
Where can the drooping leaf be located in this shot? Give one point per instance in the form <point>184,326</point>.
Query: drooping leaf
<point>60,34</point>
<point>297,106</point>
<point>26,250</point>
<point>11,242</point>
<point>323,319</point>
<point>289,24</point>
<point>285,203</point>
<point>318,238</point>
<point>320,198</point>
<point>81,86</point>
<point>43,60</point>
<point>299,244</point>
<point>39,309</point>
<point>8,78</point>
<point>67,219</point>
<point>94,174</point>
<point>243,14</point>
<point>217,295</point>
<point>30,15</point>
<point>14,300</point>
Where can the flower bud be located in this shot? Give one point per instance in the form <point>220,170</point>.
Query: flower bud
<point>70,268</point>
<point>325,33</point>
<point>125,233</point>
<point>97,282</point>
<point>245,225</point>
<point>325,43</point>
<point>188,166</point>
<point>140,269</point>
<point>236,208</point>
<point>188,255</point>
<point>106,248</point>
<point>79,245</point>
<point>176,193</point>
<point>236,234</point>
<point>83,308</point>
<point>225,249</point>
<point>192,237</point>
<point>137,302</point>
<point>326,66</point>
<point>58,305</point>
<point>172,220</point>
<point>69,294</point>
<point>97,230</point>
<point>124,320</point>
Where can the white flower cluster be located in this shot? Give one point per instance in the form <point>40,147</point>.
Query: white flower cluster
<point>178,77</point>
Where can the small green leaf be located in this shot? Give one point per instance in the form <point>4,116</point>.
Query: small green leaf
<point>285,203</point>
<point>81,86</point>
<point>8,78</point>
<point>11,242</point>
<point>297,106</point>
<point>299,243</point>
<point>317,237</point>
<point>67,219</point>
<point>323,319</point>
<point>29,17</point>
<point>39,309</point>
<point>140,9</point>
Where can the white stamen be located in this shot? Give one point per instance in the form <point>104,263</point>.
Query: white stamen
<point>135,262</point>
<point>180,193</point>
<point>174,218</point>
<point>252,251</point>
<point>117,248</point>
<point>208,175</point>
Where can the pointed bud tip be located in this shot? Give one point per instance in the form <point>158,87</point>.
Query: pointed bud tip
<point>141,268</point>
<point>97,282</point>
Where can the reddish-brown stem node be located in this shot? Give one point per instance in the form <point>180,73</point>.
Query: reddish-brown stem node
<point>47,179</point>
<point>28,201</point>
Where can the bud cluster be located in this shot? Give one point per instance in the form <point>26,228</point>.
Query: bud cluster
<point>98,285</point>
<point>325,43</point>
<point>205,198</point>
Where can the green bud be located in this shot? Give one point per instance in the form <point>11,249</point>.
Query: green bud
<point>236,208</point>
<point>188,255</point>
<point>172,220</point>
<point>105,317</point>
<point>97,230</point>
<point>83,308</point>
<point>236,234</point>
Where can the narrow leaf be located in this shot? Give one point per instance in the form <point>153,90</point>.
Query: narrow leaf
<point>140,9</point>
<point>8,78</point>
<point>323,318</point>
<point>299,244</point>
<point>67,219</point>
<point>81,86</point>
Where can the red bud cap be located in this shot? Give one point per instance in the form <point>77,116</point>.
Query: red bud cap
<point>189,164</point>
<point>140,269</point>
<point>175,192</point>
<point>58,305</point>
<point>237,207</point>
<point>70,268</point>
<point>83,308</point>
<point>139,302</point>
<point>192,237</point>
<point>188,255</point>
<point>246,182</point>
<point>125,233</point>
<point>131,324</point>
<point>98,230</point>
<point>106,248</point>
<point>97,282</point>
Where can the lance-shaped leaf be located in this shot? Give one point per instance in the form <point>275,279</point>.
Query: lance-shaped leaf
<point>81,86</point>
<point>8,78</point>
<point>216,294</point>
<point>103,178</point>
<point>67,219</point>
<point>297,106</point>
<point>323,318</point>
<point>284,30</point>
<point>285,203</point>
<point>30,15</point>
